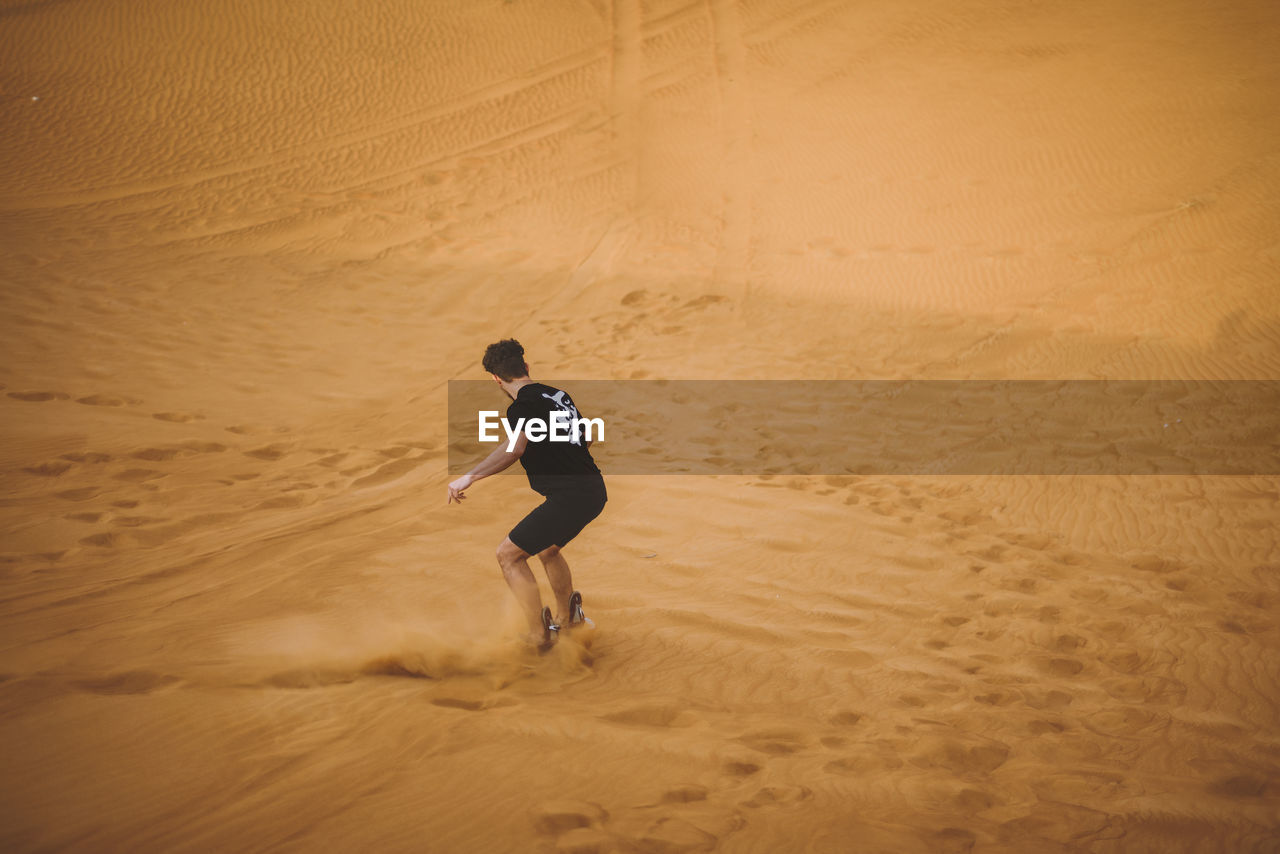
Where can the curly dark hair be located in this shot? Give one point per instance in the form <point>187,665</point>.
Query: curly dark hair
<point>506,359</point>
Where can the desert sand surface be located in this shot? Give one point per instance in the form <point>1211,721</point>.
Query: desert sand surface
<point>245,246</point>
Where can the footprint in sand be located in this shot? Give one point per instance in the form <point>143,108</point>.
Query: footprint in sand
<point>82,494</point>
<point>177,417</point>
<point>974,800</point>
<point>667,715</point>
<point>997,698</point>
<point>156,455</point>
<point>675,835</point>
<point>1043,727</point>
<point>106,541</point>
<point>778,796</point>
<point>741,769</point>
<point>1067,643</point>
<point>1240,786</point>
<point>685,794</point>
<point>775,742</point>
<point>556,817</point>
<point>106,400</point>
<point>1049,614</point>
<point>388,472</point>
<point>845,719</point>
<point>953,840</point>
<point>683,821</point>
<point>49,469</point>
<point>1024,584</point>
<point>995,554</point>
<point>137,521</point>
<point>451,703</point>
<point>333,459</point>
<point>473,705</point>
<point>963,756</point>
<point>270,453</point>
<point>576,826</point>
<point>1061,666</point>
<point>1047,700</point>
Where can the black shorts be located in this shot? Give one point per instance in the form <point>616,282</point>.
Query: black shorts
<point>558,519</point>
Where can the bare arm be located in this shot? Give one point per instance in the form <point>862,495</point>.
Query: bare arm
<point>499,460</point>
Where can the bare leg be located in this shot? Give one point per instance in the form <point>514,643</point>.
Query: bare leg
<point>561,581</point>
<point>515,569</point>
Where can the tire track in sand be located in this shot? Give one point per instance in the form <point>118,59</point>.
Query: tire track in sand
<point>626,58</point>
<point>735,136</point>
<point>273,159</point>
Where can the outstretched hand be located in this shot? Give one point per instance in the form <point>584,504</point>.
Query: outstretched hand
<point>457,488</point>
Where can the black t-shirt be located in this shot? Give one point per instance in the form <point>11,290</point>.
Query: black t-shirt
<point>553,466</point>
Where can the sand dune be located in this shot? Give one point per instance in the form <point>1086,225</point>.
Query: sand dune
<point>246,246</point>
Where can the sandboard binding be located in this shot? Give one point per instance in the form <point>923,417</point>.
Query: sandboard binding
<point>578,619</point>
<point>550,631</point>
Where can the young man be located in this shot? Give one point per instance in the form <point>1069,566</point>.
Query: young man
<point>563,472</point>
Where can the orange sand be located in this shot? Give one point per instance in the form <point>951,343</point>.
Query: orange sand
<point>245,245</point>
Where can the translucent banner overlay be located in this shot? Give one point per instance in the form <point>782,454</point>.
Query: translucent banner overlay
<point>831,427</point>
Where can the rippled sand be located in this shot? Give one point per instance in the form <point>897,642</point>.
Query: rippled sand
<point>244,246</point>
